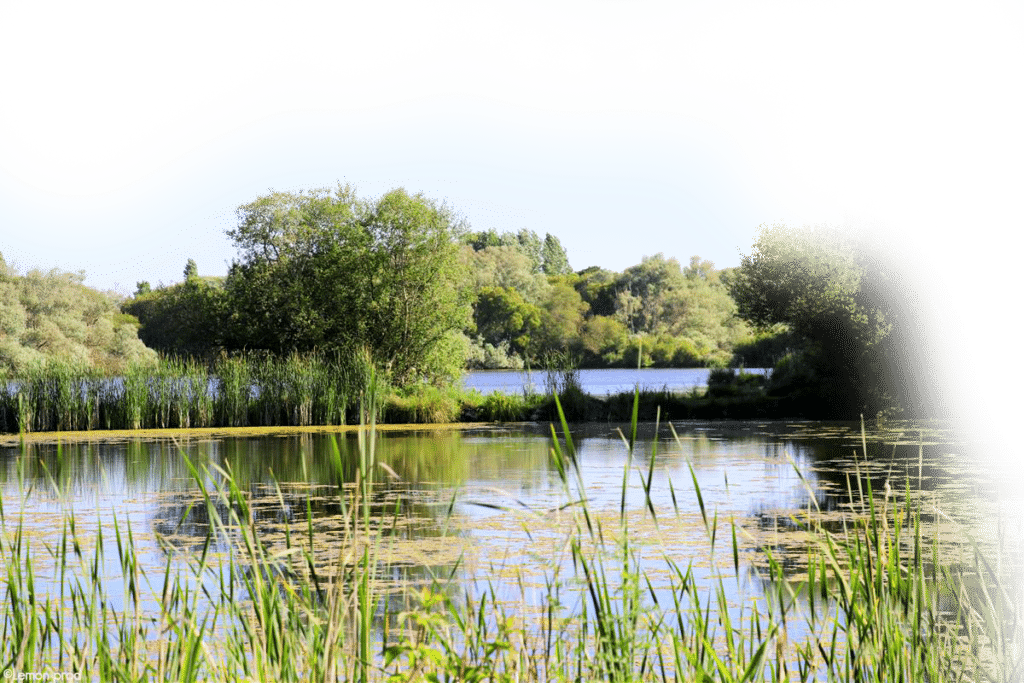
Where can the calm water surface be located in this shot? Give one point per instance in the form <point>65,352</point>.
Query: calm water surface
<point>595,382</point>
<point>482,504</point>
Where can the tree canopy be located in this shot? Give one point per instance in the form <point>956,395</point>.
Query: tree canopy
<point>653,313</point>
<point>325,269</point>
<point>404,278</point>
<point>808,279</point>
<point>185,319</point>
<point>51,316</point>
<point>848,307</point>
<point>545,256</point>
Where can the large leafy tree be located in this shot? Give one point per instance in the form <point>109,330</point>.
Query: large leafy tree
<point>597,288</point>
<point>651,294</point>
<point>326,269</point>
<point>505,266</point>
<point>846,306</point>
<point>181,319</point>
<point>556,261</point>
<point>545,256</point>
<point>561,317</point>
<point>603,340</point>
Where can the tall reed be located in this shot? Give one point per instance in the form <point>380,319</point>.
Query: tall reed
<point>235,384</point>
<point>878,601</point>
<point>232,391</point>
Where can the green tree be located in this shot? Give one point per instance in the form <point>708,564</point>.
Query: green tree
<point>561,318</point>
<point>416,303</point>
<point>326,269</point>
<point>650,294</point>
<point>51,316</point>
<point>555,260</point>
<point>502,316</point>
<point>191,270</point>
<point>708,320</point>
<point>183,319</point>
<point>505,266</point>
<point>488,238</point>
<point>846,308</point>
<point>298,284</point>
<point>700,269</point>
<point>597,289</point>
<point>531,245</point>
<point>603,339</point>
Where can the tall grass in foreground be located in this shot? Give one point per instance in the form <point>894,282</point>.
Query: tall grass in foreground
<point>878,601</point>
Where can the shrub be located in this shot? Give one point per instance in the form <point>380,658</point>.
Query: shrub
<point>425,404</point>
<point>499,407</point>
<point>723,382</point>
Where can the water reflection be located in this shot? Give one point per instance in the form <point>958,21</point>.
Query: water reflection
<point>484,504</point>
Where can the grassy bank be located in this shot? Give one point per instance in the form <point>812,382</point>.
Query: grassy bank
<point>877,600</point>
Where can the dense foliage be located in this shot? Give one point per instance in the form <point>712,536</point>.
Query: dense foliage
<point>848,312</point>
<point>401,277</point>
<point>52,317</point>
<point>329,270</point>
<point>656,313</point>
<point>185,319</point>
<point>325,270</point>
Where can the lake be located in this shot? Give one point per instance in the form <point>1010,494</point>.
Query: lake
<point>481,511</point>
<point>595,382</point>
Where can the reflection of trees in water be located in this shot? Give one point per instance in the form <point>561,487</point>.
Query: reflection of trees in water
<point>448,457</point>
<point>129,467</point>
<point>409,513</point>
<point>426,464</point>
<point>407,516</point>
<point>427,461</point>
<point>407,546</point>
<point>844,483</point>
<point>396,509</point>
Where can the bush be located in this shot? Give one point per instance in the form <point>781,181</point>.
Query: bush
<point>425,404</point>
<point>723,382</point>
<point>499,407</point>
<point>764,350</point>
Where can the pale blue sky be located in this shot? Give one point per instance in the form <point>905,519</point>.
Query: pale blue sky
<point>617,168</point>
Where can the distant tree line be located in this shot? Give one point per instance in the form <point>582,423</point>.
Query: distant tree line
<point>404,278</point>
<point>401,281</point>
<point>528,304</point>
<point>51,317</point>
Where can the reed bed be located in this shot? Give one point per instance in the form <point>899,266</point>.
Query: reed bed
<point>878,602</point>
<point>260,390</point>
<point>231,391</point>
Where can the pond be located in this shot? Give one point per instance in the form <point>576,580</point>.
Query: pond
<point>595,382</point>
<point>484,506</point>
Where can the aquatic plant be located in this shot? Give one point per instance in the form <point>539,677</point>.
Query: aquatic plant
<point>876,600</point>
<point>424,404</point>
<point>501,407</point>
<point>232,391</point>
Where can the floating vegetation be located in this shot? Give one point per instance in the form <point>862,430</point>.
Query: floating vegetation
<point>256,586</point>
